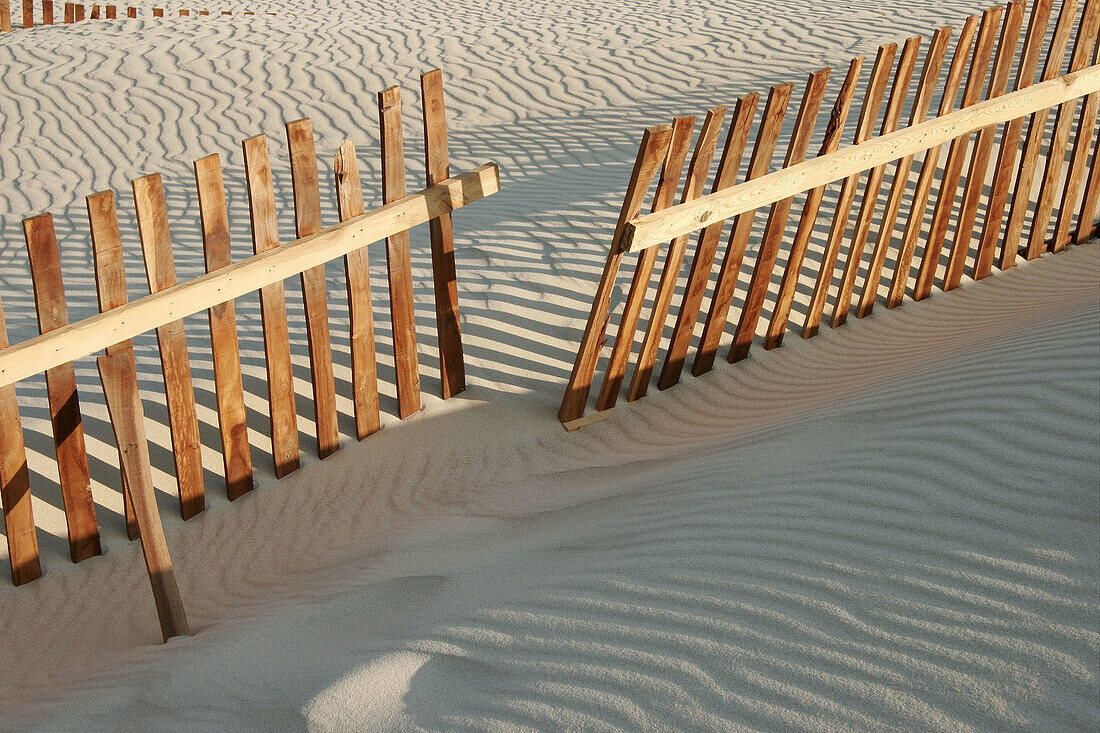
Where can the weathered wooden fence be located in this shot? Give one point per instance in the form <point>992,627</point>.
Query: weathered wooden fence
<point>169,302</point>
<point>1056,204</point>
<point>76,12</point>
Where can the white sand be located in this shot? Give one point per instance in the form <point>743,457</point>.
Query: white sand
<point>892,526</point>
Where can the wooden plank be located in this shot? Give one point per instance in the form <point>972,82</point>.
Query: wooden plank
<point>1063,121</point>
<point>28,13</point>
<point>112,12</point>
<point>217,255</point>
<point>158,12</point>
<point>70,12</point>
<point>784,300</point>
<point>651,153</point>
<point>876,90</point>
<point>131,12</point>
<point>128,422</point>
<point>5,23</point>
<point>452,369</point>
<point>95,12</point>
<point>672,168</point>
<point>364,367</point>
<point>110,285</point>
<point>15,485</point>
<point>32,356</point>
<point>68,430</point>
<point>930,74</point>
<point>956,156</point>
<point>307,213</point>
<point>1090,200</point>
<point>1075,177</point>
<point>867,210</point>
<point>701,160</point>
<point>1036,135</point>
<point>280,377</point>
<point>47,12</point>
<point>777,218</point>
<point>160,272</point>
<point>771,125</point>
<point>79,13</point>
<point>707,244</point>
<point>915,222</point>
<point>398,263</point>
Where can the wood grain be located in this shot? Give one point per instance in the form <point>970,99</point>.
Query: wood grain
<point>307,215</point>
<point>651,153</point>
<point>68,430</point>
<point>280,377</point>
<point>1090,201</point>
<point>1075,176</point>
<point>398,262</point>
<point>232,414</point>
<point>47,12</point>
<point>128,422</point>
<point>160,271</point>
<point>452,370</point>
<point>364,367</point>
<point>5,23</point>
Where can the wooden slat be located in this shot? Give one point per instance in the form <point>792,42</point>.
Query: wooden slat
<point>110,285</point>
<point>280,377</point>
<point>68,431</point>
<point>37,354</point>
<point>128,422</point>
<point>867,210</point>
<point>5,23</point>
<point>28,13</point>
<point>364,367</point>
<point>673,167</point>
<point>1090,200</point>
<point>111,12</point>
<point>452,370</point>
<point>915,223</point>
<point>217,254</point>
<point>307,213</point>
<point>1036,136</point>
<point>47,12</point>
<point>707,244</point>
<point>79,13</point>
<point>701,160</point>
<point>160,271</point>
<point>1063,121</point>
<point>872,101</point>
<point>131,12</point>
<point>784,300</point>
<point>398,263</point>
<point>651,153</point>
<point>1075,177</point>
<point>930,74</point>
<point>770,126</point>
<point>158,12</point>
<point>15,485</point>
<point>70,12</point>
<point>95,12</point>
<point>777,218</point>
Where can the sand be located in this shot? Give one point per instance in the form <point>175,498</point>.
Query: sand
<point>891,526</point>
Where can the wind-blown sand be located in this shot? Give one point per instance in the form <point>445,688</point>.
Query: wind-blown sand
<point>891,526</point>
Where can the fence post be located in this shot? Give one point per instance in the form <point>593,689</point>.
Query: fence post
<point>47,12</point>
<point>111,12</point>
<point>78,13</point>
<point>5,16</point>
<point>28,13</point>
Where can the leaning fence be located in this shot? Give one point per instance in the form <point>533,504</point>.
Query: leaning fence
<point>1055,202</point>
<point>77,12</point>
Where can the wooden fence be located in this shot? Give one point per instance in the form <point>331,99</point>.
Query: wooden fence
<point>76,12</point>
<point>1055,203</point>
<point>169,302</point>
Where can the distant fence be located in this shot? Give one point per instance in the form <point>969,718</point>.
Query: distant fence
<point>1042,195</point>
<point>120,321</point>
<point>76,12</point>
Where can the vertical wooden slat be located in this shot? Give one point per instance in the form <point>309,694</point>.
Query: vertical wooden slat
<point>1036,135</point>
<point>956,156</point>
<point>232,415</point>
<point>872,101</point>
<point>95,12</point>
<point>28,13</point>
<point>160,271</point>
<point>651,153</point>
<point>47,12</point>
<point>777,218</point>
<point>1075,177</point>
<point>185,13</point>
<point>280,377</point>
<point>1090,200</point>
<point>898,93</point>
<point>930,74</point>
<point>110,285</point>
<point>771,124</point>
<point>307,213</point>
<point>5,23</point>
<point>682,128</point>
<point>398,263</point>
<point>364,368</point>
<point>701,160</point>
<point>707,243</point>
<point>78,14</point>
<point>1063,120</point>
<point>158,12</point>
<point>112,12</point>
<point>131,12</point>
<point>68,431</point>
<point>128,422</point>
<point>452,370</point>
<point>983,149</point>
<point>70,12</point>
<point>915,223</point>
<point>15,485</point>
<point>784,300</point>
